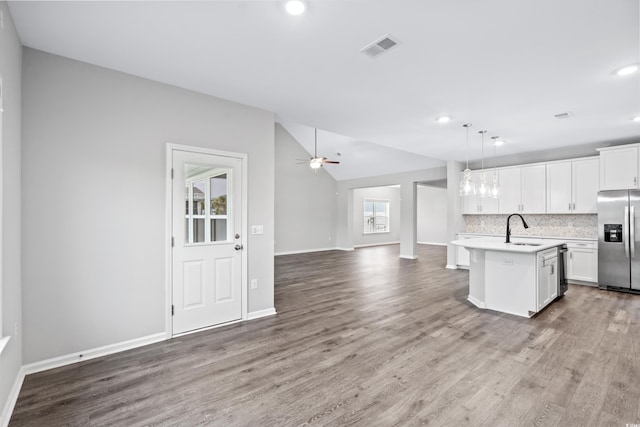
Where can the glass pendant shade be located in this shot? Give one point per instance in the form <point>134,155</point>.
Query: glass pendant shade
<point>467,186</point>
<point>483,188</point>
<point>495,187</point>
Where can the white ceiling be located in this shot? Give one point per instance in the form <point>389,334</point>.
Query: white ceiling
<point>503,65</point>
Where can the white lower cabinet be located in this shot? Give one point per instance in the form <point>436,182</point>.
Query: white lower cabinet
<point>547,284</point>
<point>582,261</point>
<point>462,254</point>
<point>462,257</point>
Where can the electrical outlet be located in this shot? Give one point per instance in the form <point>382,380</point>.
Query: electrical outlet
<point>482,222</point>
<point>570,224</point>
<point>254,283</point>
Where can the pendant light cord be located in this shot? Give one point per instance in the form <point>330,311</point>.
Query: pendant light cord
<point>467,126</point>
<point>482,132</point>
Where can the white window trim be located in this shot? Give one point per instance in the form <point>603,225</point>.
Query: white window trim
<point>387,216</point>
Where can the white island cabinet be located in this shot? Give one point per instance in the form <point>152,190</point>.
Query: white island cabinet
<point>519,278</point>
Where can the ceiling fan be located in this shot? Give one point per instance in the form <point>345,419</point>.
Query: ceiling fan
<point>317,162</point>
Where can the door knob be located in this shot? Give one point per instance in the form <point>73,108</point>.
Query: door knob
<point>238,247</point>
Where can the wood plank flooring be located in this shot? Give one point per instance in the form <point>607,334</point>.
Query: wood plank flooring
<point>366,338</point>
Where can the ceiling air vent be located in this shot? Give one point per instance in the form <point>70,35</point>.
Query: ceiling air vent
<point>380,46</point>
<point>565,115</point>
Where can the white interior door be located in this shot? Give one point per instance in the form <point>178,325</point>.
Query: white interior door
<point>207,248</point>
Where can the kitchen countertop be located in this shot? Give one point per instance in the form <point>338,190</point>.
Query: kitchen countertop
<point>498,244</point>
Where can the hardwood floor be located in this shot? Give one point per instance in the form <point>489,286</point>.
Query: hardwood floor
<point>365,338</point>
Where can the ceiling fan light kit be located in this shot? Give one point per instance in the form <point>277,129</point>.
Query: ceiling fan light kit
<point>317,162</point>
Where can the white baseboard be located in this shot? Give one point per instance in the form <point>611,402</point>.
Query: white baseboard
<point>366,245</point>
<point>10,404</point>
<point>451,266</point>
<point>261,313</point>
<point>344,249</point>
<point>408,257</point>
<point>475,302</point>
<point>432,243</point>
<point>304,251</point>
<point>69,359</point>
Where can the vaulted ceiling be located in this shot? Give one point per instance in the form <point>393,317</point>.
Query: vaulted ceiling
<point>505,66</point>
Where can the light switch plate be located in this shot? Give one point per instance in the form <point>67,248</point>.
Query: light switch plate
<point>257,229</point>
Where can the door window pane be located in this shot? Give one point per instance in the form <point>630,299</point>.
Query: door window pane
<point>207,206</point>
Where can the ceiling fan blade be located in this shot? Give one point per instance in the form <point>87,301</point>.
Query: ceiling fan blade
<point>333,162</point>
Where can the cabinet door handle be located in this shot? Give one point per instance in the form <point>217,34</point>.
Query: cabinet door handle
<point>569,206</point>
<point>574,206</point>
<point>552,270</point>
<point>635,179</point>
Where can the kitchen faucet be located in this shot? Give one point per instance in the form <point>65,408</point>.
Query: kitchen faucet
<point>509,228</point>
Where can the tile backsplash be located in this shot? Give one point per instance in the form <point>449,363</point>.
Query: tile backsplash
<point>584,226</point>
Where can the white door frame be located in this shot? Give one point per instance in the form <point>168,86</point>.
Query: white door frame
<point>168,222</point>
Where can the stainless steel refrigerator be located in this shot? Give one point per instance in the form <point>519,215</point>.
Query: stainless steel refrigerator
<point>618,248</point>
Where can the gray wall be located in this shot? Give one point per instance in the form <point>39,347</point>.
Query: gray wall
<point>10,191</point>
<point>305,202</point>
<point>407,181</point>
<point>392,194</point>
<point>94,146</point>
<point>432,215</point>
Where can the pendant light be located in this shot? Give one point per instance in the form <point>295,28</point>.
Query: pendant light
<point>495,184</point>
<point>483,188</point>
<point>467,186</point>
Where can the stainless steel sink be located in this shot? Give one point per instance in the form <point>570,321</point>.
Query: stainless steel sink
<point>526,244</point>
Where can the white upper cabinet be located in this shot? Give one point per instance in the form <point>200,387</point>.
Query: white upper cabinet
<point>572,186</point>
<point>533,181</point>
<point>510,200</point>
<point>584,185</point>
<point>522,189</point>
<point>619,167</point>
<point>562,187</point>
<point>559,187</point>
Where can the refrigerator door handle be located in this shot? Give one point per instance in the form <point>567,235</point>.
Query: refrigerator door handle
<point>625,237</point>
<point>632,231</point>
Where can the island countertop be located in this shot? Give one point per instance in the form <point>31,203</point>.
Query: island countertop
<point>516,245</point>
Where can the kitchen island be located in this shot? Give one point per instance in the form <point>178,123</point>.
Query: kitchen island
<point>519,278</point>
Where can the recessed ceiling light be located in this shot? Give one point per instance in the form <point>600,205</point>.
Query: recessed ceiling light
<point>498,142</point>
<point>636,119</point>
<point>444,119</point>
<point>625,71</point>
<point>295,7</point>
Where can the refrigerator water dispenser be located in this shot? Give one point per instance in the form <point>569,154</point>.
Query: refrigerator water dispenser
<point>613,232</point>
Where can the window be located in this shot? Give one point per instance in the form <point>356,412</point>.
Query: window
<point>206,218</point>
<point>375,216</point>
